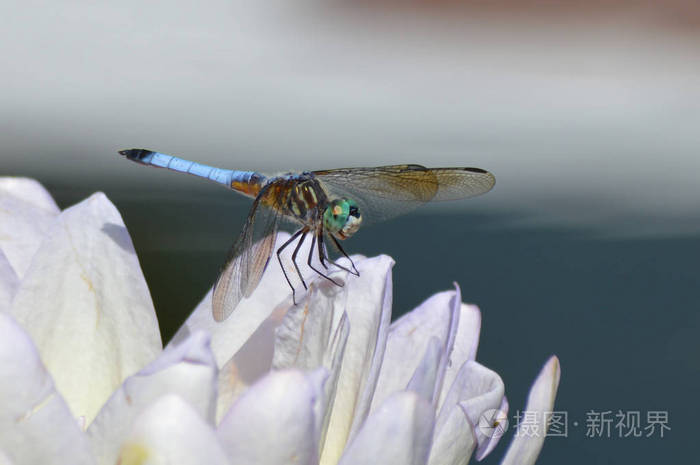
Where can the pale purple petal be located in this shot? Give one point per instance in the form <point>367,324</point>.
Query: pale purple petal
<point>27,212</point>
<point>170,432</point>
<point>36,425</point>
<point>275,421</point>
<point>454,440</point>
<point>188,370</point>
<point>476,390</point>
<point>524,448</point>
<point>86,305</point>
<point>425,377</point>
<point>368,308</point>
<point>464,348</point>
<point>500,416</point>
<point>437,317</point>
<point>398,432</point>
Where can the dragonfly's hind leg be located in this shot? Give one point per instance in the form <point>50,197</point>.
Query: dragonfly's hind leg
<point>320,256</point>
<point>279,259</point>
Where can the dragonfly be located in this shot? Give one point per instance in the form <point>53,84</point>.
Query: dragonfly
<point>327,205</point>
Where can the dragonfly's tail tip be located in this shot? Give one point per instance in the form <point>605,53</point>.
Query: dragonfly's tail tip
<point>135,154</point>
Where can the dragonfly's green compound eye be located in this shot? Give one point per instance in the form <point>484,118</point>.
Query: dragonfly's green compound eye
<point>342,218</point>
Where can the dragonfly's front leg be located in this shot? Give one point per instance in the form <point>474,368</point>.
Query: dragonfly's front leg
<point>354,269</point>
<point>311,256</point>
<point>279,259</point>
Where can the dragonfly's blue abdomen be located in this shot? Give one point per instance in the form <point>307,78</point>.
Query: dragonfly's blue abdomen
<point>246,182</point>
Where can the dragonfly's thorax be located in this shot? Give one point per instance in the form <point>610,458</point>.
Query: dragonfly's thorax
<point>300,196</point>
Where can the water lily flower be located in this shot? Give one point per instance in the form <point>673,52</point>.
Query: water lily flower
<point>332,380</point>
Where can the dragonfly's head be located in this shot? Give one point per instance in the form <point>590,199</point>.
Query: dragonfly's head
<point>342,218</point>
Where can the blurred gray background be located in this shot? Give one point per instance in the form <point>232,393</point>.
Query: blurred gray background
<point>587,112</point>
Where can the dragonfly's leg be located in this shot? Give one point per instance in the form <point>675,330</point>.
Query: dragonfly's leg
<point>294,257</point>
<point>311,249</point>
<point>342,267</point>
<point>322,252</point>
<point>354,269</point>
<point>323,255</point>
<point>311,256</point>
<point>279,259</point>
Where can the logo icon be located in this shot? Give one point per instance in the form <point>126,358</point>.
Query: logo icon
<point>493,423</point>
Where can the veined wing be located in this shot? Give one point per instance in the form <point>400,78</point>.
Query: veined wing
<point>388,191</point>
<point>247,259</point>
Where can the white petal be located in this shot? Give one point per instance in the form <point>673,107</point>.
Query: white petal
<point>465,345</point>
<point>398,432</point>
<point>274,422</point>
<point>169,432</point>
<point>273,295</point>
<point>368,308</point>
<point>304,335</point>
<point>476,390</point>
<point>5,459</point>
<point>30,191</point>
<point>188,370</point>
<point>27,212</point>
<point>36,425</point>
<point>333,360</point>
<point>314,334</point>
<point>8,283</point>
<point>408,339</point>
<point>229,336</point>
<point>86,305</point>
<point>252,339</point>
<point>252,361</point>
<point>290,337</point>
<point>525,448</point>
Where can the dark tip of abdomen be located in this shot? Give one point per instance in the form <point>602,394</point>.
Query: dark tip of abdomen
<point>135,154</point>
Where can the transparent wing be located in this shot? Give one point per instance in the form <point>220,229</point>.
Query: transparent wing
<point>247,259</point>
<point>388,191</point>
